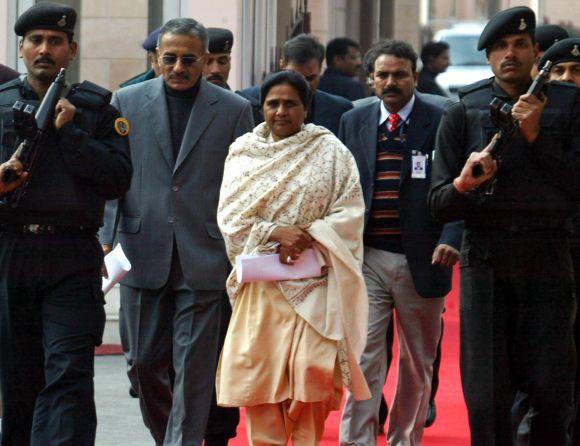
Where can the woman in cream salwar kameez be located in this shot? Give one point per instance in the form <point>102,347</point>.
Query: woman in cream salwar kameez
<point>291,345</point>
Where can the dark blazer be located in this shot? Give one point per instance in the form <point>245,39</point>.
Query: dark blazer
<point>420,233</point>
<point>175,198</point>
<point>334,82</point>
<point>328,108</point>
<point>428,84</point>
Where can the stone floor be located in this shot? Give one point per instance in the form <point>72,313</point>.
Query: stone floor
<point>120,422</point>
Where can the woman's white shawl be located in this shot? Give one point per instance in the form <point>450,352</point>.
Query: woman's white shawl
<point>308,179</point>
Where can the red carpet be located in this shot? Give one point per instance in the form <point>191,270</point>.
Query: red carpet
<point>451,427</point>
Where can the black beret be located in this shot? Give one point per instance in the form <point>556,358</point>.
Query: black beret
<point>517,20</point>
<point>150,43</point>
<point>548,35</point>
<point>47,15</point>
<point>221,40</point>
<point>567,50</point>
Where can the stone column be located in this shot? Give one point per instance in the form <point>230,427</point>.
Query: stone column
<point>111,34</point>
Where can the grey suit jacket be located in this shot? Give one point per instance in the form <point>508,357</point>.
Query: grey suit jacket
<point>175,199</point>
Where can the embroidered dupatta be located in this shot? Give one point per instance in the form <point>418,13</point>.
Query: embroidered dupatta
<point>308,179</point>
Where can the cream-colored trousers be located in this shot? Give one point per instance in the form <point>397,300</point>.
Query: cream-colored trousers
<point>275,424</point>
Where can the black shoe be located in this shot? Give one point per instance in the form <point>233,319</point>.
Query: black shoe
<point>133,392</point>
<point>431,414</point>
<point>216,440</point>
<point>383,414</point>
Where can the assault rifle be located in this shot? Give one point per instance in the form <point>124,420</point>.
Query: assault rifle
<point>31,124</point>
<point>501,116</point>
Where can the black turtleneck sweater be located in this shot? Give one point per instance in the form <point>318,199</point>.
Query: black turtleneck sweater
<point>179,106</point>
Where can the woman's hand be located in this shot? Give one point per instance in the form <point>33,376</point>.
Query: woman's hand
<point>292,240</point>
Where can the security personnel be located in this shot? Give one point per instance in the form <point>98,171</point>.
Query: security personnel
<point>517,299</point>
<point>565,55</point>
<point>149,45</point>
<point>546,36</point>
<point>51,304</point>
<point>217,65</point>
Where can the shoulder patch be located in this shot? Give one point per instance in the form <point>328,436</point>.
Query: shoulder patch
<point>122,126</point>
<point>475,86</point>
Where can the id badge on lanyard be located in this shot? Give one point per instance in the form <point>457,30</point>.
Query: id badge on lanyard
<point>418,165</point>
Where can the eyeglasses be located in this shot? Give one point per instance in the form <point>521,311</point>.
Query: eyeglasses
<point>187,61</point>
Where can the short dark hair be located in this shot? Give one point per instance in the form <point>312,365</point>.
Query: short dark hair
<point>397,48</point>
<point>302,49</point>
<point>289,77</point>
<point>339,47</point>
<point>185,27</point>
<point>432,50</point>
<point>371,56</point>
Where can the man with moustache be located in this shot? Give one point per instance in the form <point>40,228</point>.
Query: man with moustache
<point>441,102</point>
<point>51,304</point>
<point>167,227</point>
<point>218,64</point>
<point>407,255</point>
<point>517,298</point>
<point>304,54</point>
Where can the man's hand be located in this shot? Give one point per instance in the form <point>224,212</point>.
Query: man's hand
<point>106,250</point>
<point>64,112</point>
<point>293,240</point>
<point>466,181</point>
<point>528,111</point>
<point>20,175</point>
<point>445,255</point>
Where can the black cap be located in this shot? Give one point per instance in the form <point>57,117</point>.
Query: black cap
<point>517,20</point>
<point>47,15</point>
<point>567,50</point>
<point>150,43</point>
<point>221,40</point>
<point>548,35</point>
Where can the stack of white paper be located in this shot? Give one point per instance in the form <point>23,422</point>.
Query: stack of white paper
<point>117,266</point>
<point>268,268</point>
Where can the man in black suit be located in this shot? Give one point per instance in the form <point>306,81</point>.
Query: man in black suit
<point>343,62</point>
<point>407,255</point>
<point>304,54</point>
<point>435,58</point>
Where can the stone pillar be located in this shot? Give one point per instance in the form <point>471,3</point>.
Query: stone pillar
<point>222,14</point>
<point>406,23</point>
<point>111,34</point>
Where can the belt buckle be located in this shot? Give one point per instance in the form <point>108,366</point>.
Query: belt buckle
<point>33,229</point>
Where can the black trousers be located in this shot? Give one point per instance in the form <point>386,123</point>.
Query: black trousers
<point>51,319</point>
<point>223,421</point>
<point>177,332</point>
<point>517,314</point>
<point>576,424</point>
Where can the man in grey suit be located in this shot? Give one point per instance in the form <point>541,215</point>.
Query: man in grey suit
<point>182,127</point>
